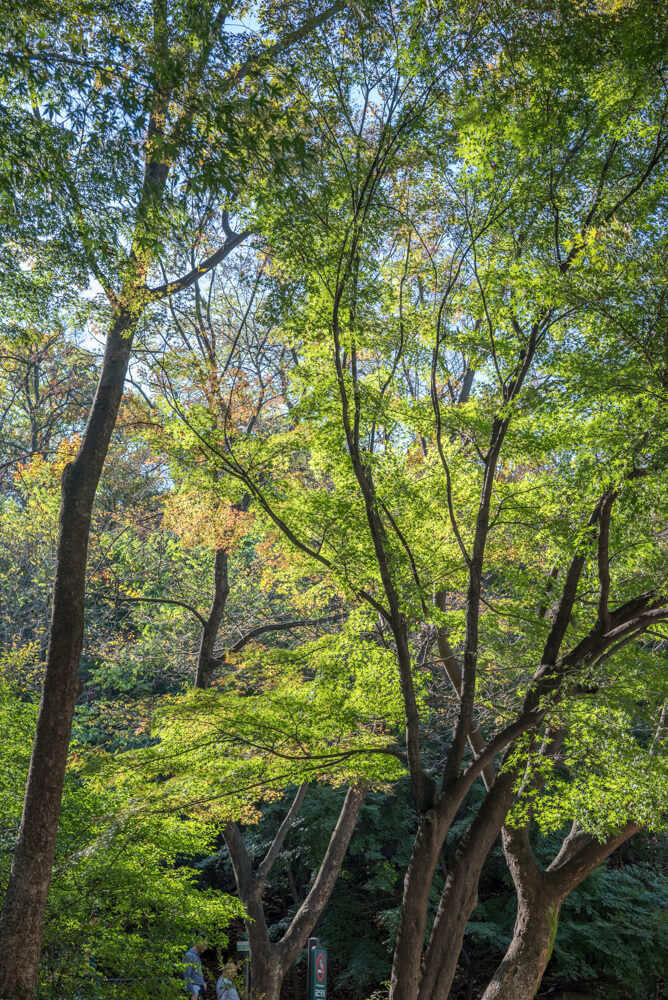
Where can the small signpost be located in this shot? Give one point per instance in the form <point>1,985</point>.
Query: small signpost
<point>316,970</point>
<point>243,946</point>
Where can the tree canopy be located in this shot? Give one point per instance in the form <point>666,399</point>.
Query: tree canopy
<point>333,451</point>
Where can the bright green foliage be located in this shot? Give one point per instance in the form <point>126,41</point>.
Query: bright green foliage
<point>469,189</point>
<point>123,906</point>
<point>613,766</point>
<point>325,710</point>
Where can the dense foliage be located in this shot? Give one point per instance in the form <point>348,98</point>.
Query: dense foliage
<point>379,503</point>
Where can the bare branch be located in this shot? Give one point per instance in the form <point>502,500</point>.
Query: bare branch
<point>282,627</point>
<point>124,599</point>
<point>265,865</point>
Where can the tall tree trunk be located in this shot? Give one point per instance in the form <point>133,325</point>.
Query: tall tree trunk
<point>206,660</point>
<point>540,895</point>
<point>25,901</point>
<point>460,894</point>
<point>413,919</point>
<point>264,967</point>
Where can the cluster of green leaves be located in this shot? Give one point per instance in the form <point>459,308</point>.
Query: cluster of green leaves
<point>327,710</point>
<point>124,901</point>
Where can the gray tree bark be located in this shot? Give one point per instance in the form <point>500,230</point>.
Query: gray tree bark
<point>540,895</point>
<point>271,961</point>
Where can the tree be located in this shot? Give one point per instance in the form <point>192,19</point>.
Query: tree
<point>46,386</point>
<point>113,120</point>
<point>465,451</point>
<point>271,961</point>
<point>120,878</point>
<point>466,295</point>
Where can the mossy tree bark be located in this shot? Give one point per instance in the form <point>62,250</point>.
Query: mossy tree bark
<point>540,895</point>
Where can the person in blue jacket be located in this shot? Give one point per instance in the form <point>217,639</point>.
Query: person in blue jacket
<point>192,973</point>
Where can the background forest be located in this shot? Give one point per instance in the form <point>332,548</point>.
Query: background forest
<point>334,496</point>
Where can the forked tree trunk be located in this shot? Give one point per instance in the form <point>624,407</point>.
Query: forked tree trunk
<point>270,962</point>
<point>540,895</point>
<point>25,900</point>
<point>411,977</point>
<point>539,899</point>
<point>460,894</point>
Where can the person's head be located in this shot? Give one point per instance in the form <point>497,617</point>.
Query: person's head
<point>200,945</point>
<point>229,969</point>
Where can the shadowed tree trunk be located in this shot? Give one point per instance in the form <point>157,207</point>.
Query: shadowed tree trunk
<point>417,887</point>
<point>540,895</point>
<point>25,901</point>
<point>460,893</point>
<point>271,961</point>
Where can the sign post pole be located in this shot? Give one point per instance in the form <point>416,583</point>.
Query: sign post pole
<point>316,970</point>
<point>244,947</point>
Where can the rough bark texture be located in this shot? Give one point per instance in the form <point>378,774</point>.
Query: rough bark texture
<point>522,968</point>
<point>413,920</point>
<point>25,900</point>
<point>539,899</point>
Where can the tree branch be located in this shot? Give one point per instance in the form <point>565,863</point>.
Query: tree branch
<point>206,660</point>
<point>265,865</point>
<point>179,284</point>
<point>282,627</point>
<point>580,853</point>
<point>122,598</point>
<point>569,592</point>
<point>311,909</point>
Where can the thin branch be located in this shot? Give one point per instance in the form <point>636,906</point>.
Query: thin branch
<point>569,593</point>
<point>265,865</point>
<point>409,553</point>
<point>123,599</point>
<point>282,627</point>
